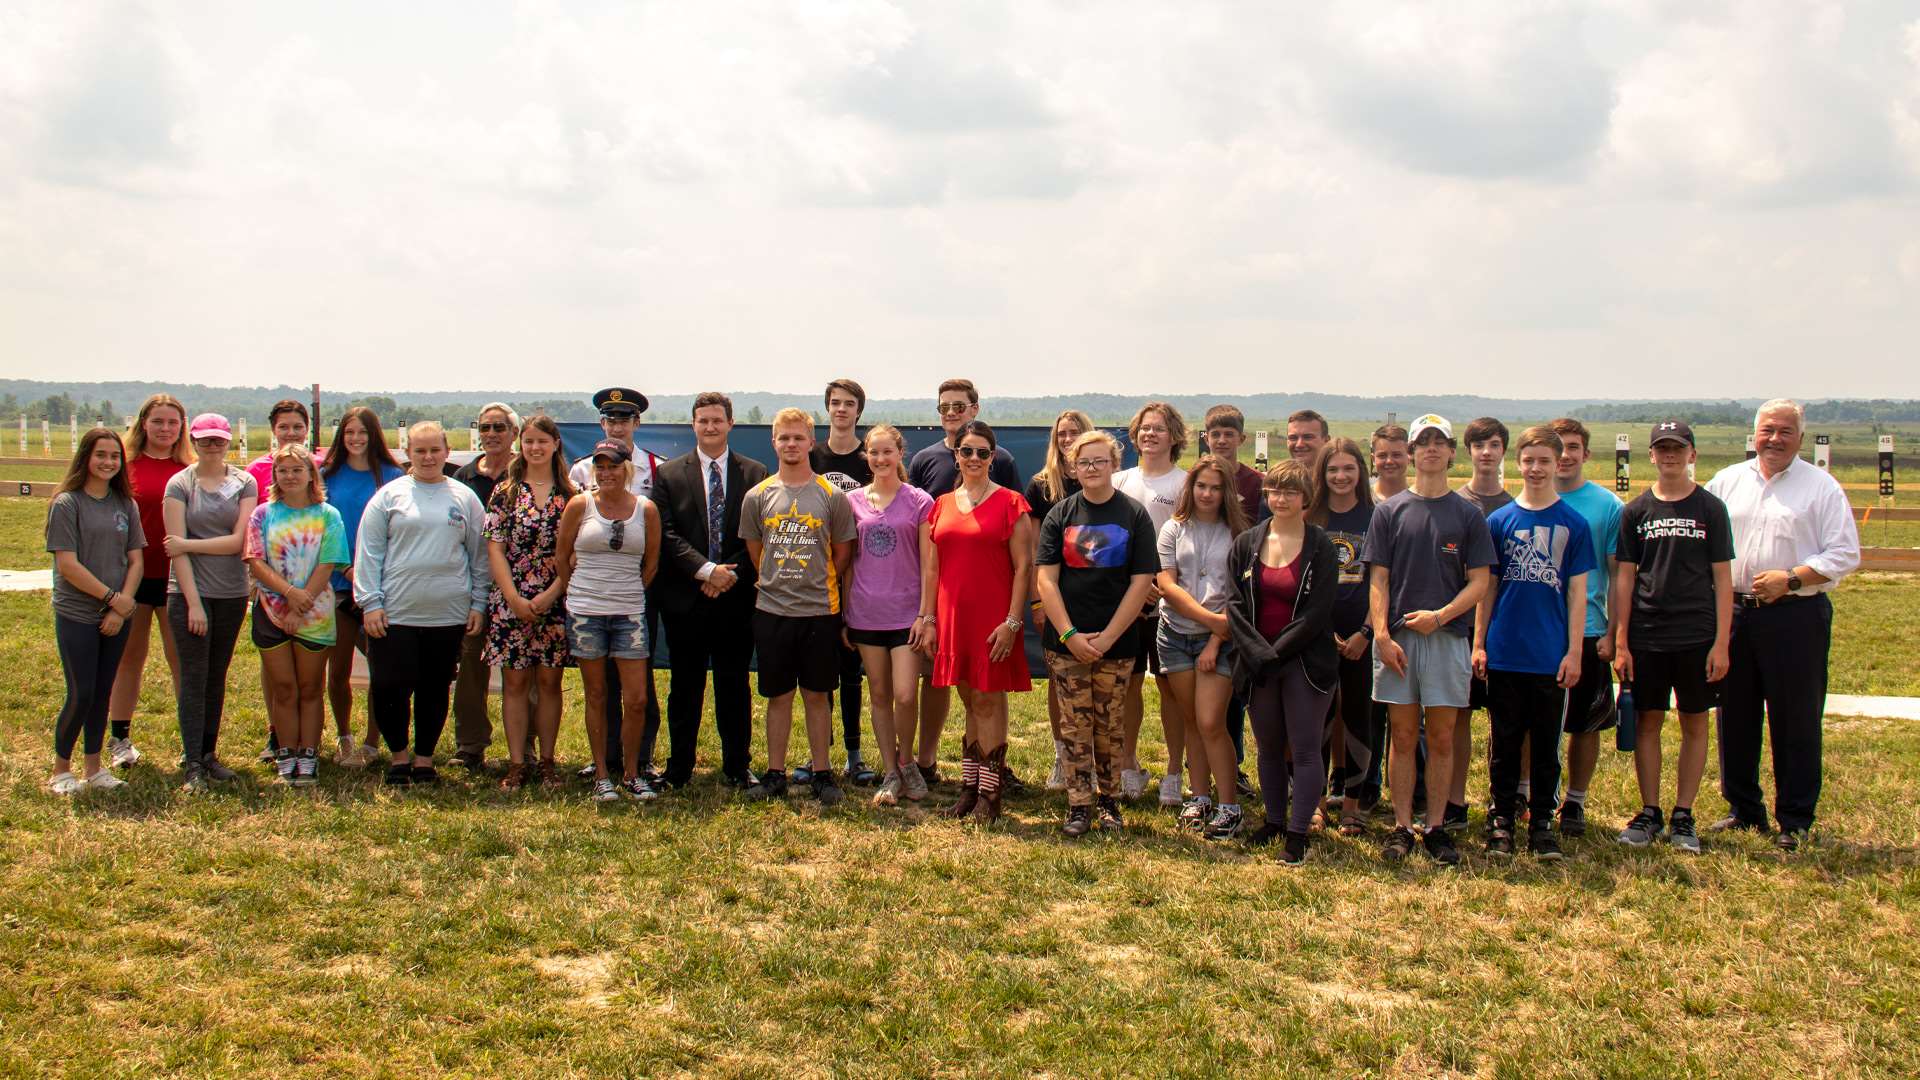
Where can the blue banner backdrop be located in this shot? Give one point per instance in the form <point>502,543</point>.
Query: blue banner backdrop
<point>1028,445</point>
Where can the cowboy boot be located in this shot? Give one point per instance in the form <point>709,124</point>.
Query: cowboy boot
<point>969,781</point>
<point>992,766</point>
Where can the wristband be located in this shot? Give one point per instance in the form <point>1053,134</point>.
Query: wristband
<point>1071,630</point>
<point>108,599</point>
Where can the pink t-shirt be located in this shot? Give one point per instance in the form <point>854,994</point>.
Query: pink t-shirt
<point>262,470</point>
<point>886,560</point>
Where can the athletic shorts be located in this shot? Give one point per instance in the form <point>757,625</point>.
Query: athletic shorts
<point>598,637</point>
<point>1477,697</point>
<point>881,639</point>
<point>1439,671</point>
<point>1590,705</point>
<point>152,591</point>
<point>797,650</point>
<point>1176,651</point>
<point>268,636</point>
<point>1668,676</point>
<point>344,606</point>
<point>1146,654</point>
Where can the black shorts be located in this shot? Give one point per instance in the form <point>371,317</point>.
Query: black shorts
<point>1676,675</point>
<point>345,608</point>
<point>883,639</point>
<point>268,636</point>
<point>152,592</point>
<point>1590,705</point>
<point>1146,655</point>
<point>802,650</point>
<point>1477,694</point>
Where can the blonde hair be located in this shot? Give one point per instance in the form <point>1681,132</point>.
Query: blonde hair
<point>793,416</point>
<point>427,427</point>
<point>1176,426</point>
<point>1053,478</point>
<point>1088,438</point>
<point>136,440</point>
<point>316,488</point>
<point>888,431</point>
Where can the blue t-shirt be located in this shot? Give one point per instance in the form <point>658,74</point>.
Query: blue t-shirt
<point>1601,509</point>
<point>348,491</point>
<point>1536,553</point>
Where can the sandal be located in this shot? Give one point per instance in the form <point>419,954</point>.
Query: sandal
<point>1351,825</point>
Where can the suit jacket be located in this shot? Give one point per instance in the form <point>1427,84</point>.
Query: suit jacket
<point>680,493</point>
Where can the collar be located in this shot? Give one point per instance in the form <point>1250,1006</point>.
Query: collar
<point>706,461</point>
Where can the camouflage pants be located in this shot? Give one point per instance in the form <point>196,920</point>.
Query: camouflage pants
<point>1091,701</point>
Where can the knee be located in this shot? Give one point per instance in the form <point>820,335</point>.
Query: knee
<point>1692,725</point>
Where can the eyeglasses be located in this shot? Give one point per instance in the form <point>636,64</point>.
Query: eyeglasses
<point>617,535</point>
<point>1271,490</point>
<point>981,452</point>
<point>949,407</point>
<point>1093,463</point>
<point>492,426</point>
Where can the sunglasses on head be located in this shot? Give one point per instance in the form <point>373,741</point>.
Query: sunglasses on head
<point>981,452</point>
<point>617,535</point>
<point>491,426</point>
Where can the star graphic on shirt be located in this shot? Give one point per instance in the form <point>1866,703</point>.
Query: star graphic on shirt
<point>790,528</point>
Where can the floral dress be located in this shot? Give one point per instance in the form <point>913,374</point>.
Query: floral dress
<point>530,531</point>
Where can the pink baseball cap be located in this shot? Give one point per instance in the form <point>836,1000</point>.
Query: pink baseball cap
<point>209,426</point>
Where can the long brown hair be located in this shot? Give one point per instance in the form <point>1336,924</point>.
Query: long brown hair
<point>504,492</point>
<point>1053,479</point>
<point>136,440</point>
<point>1317,508</point>
<point>379,458</point>
<point>78,471</point>
<point>1231,511</point>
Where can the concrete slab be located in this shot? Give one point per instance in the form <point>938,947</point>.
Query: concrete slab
<point>26,580</point>
<point>1890,708</point>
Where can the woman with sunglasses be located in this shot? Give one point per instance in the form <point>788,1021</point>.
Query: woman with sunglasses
<point>208,508</point>
<point>1051,484</point>
<point>420,576</point>
<point>156,450</point>
<point>974,565</point>
<point>358,464</point>
<point>526,626</point>
<point>606,555</point>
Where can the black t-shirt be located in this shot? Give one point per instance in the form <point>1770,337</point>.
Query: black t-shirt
<point>848,471</point>
<point>1348,532</point>
<point>480,482</point>
<point>934,471</point>
<point>1674,546</point>
<point>1098,547</point>
<point>1037,502</point>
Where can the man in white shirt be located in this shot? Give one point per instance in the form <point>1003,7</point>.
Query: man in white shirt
<point>1159,434</point>
<point>1793,540</point>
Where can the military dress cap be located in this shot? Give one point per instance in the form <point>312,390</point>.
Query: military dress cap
<point>620,401</point>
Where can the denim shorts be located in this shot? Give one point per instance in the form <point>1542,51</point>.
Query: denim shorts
<point>1439,671</point>
<point>597,637</point>
<point>1181,652</point>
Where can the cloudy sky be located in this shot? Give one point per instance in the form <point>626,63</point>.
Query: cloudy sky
<point>1620,200</point>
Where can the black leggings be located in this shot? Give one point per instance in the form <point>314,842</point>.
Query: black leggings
<point>1289,714</point>
<point>90,660</point>
<point>411,672</point>
<point>1353,724</point>
<point>850,673</point>
<point>203,668</point>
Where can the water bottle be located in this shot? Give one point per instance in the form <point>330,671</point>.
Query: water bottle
<point>1625,733</point>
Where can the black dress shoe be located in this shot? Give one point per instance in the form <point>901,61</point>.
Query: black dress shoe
<point>471,760</point>
<point>1733,823</point>
<point>740,781</point>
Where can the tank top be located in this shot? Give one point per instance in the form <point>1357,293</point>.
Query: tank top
<point>607,581</point>
<point>1279,585</point>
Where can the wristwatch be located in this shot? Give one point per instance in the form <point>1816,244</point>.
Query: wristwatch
<point>1367,629</point>
<point>1794,584</point>
<point>1012,624</point>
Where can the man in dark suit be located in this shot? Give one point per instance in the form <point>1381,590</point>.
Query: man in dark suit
<point>704,598</point>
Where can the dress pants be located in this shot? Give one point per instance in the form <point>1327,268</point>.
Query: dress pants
<point>709,637</point>
<point>1776,676</point>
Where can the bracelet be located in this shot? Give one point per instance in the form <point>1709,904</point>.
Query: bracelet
<point>1012,624</point>
<point>1071,630</point>
<point>108,599</point>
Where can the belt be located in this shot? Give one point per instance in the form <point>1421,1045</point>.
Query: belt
<point>1749,600</point>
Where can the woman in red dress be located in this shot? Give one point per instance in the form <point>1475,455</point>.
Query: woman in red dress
<point>974,563</point>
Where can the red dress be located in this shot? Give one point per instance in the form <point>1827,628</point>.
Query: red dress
<point>976,581</point>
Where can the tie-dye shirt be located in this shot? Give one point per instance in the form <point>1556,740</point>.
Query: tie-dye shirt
<point>293,542</point>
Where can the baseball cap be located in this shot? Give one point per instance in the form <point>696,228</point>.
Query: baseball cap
<point>607,448</point>
<point>1429,422</point>
<point>1672,429</point>
<point>209,426</point>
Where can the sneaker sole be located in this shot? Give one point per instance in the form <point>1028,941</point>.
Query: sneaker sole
<point>1630,842</point>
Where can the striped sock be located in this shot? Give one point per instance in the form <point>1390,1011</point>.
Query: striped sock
<point>969,772</point>
<point>989,780</point>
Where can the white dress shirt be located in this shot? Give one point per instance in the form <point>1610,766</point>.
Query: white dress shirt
<point>706,468</point>
<point>1800,517</point>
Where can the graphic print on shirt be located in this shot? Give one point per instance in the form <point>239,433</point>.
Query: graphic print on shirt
<point>1089,546</point>
<point>1678,528</point>
<point>792,542</point>
<point>1346,552</point>
<point>1536,554</point>
<point>879,541</point>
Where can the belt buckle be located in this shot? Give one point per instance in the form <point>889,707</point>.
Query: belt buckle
<point>1747,599</point>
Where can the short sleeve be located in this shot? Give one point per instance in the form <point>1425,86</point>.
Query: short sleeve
<point>1051,529</point>
<point>136,534</point>
<point>922,507</point>
<point>1627,548</point>
<point>750,514</point>
<point>1480,538</point>
<point>1169,545</point>
<point>1378,547</point>
<point>1143,557</point>
<point>63,524</point>
<point>178,488</point>
<point>499,509</point>
<point>1580,556</point>
<point>840,523</point>
<point>256,545</point>
<point>249,487</point>
<point>1720,540</point>
<point>333,542</point>
<point>1018,506</point>
<point>1610,530</point>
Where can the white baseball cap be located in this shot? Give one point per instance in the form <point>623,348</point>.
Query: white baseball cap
<point>1429,422</point>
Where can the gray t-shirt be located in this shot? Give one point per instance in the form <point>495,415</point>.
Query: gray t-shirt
<point>102,534</point>
<point>211,515</point>
<point>796,528</point>
<point>1197,551</point>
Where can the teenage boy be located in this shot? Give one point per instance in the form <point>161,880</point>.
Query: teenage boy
<point>1590,708</point>
<point>1306,434</point>
<point>1427,554</point>
<point>1674,593</point>
<point>1528,638</point>
<point>843,461</point>
<point>1486,440</point>
<point>1159,433</point>
<point>799,531</point>
<point>934,471</point>
<point>1388,446</point>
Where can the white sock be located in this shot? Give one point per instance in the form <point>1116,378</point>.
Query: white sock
<point>1524,789</point>
<point>1577,798</point>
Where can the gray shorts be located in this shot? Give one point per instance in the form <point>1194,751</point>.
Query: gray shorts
<point>1180,652</point>
<point>1439,671</point>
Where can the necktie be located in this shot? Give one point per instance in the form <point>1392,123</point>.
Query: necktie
<point>716,505</point>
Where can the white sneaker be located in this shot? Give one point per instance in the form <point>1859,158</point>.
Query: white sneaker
<point>1170,791</point>
<point>64,783</point>
<point>348,756</point>
<point>1058,780</point>
<point>605,790</point>
<point>1133,783</point>
<point>104,781</point>
<point>122,753</point>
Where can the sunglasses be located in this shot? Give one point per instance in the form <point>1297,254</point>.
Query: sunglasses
<point>618,536</point>
<point>981,452</point>
<point>493,426</point>
<point>947,407</point>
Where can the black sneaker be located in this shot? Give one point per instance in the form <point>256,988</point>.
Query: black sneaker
<point>771,785</point>
<point>1500,836</point>
<point>826,789</point>
<point>1542,845</point>
<point>739,781</point>
<point>1109,815</point>
<point>1243,785</point>
<point>1643,829</point>
<point>1295,851</point>
<point>929,773</point>
<point>1399,845</point>
<point>1454,818</point>
<point>1079,821</point>
<point>1010,785</point>
<point>1441,849</point>
<point>1573,819</point>
<point>1266,834</point>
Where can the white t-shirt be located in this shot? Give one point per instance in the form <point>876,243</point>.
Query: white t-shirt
<point>642,485</point>
<point>1159,494</point>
